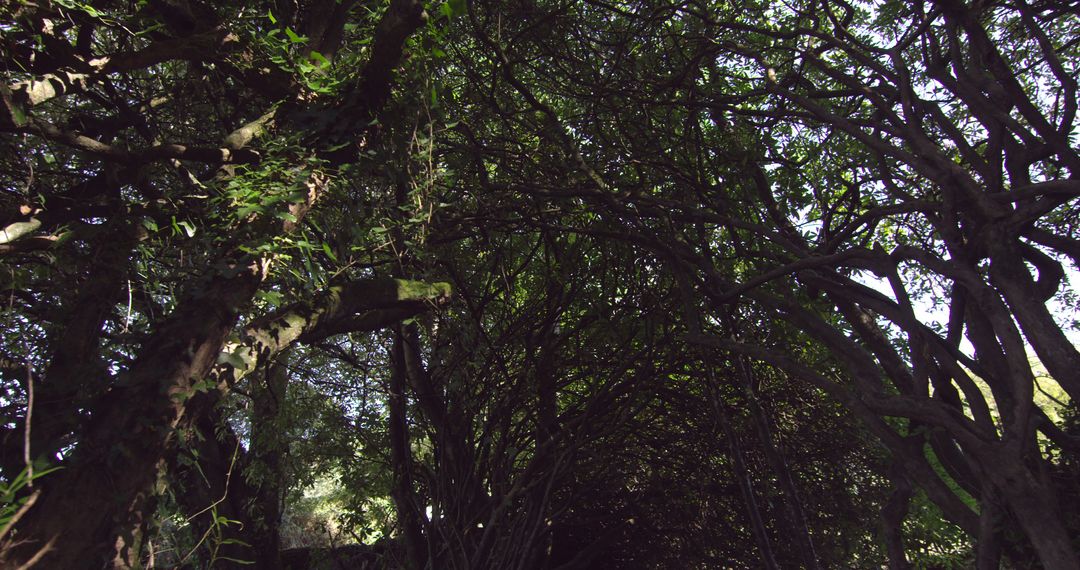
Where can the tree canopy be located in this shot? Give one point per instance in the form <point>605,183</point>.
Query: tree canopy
<point>544,285</point>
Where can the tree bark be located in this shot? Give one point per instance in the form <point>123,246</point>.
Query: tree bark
<point>1036,509</point>
<point>269,444</point>
<point>988,546</point>
<point>76,373</point>
<point>209,480</point>
<point>892,517</point>
<point>111,479</point>
<point>408,511</point>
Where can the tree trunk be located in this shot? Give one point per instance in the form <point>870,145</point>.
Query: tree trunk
<point>458,492</point>
<point>408,512</point>
<point>988,548</point>
<point>210,483</point>
<point>268,444</point>
<point>1036,509</point>
<point>892,516</point>
<point>100,504</point>
<point>76,373</point>
<point>796,519</point>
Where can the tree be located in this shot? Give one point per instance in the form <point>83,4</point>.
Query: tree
<point>774,157</point>
<point>728,280</point>
<point>106,107</point>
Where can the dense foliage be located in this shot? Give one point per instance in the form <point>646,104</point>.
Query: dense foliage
<point>579,284</point>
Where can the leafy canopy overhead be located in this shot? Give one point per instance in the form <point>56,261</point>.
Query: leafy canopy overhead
<point>549,284</point>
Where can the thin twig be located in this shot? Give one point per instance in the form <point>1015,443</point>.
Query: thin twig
<point>224,494</point>
<point>26,432</point>
<point>127,318</point>
<point>38,555</point>
<point>19,514</point>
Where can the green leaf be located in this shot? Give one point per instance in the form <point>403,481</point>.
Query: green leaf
<point>270,15</point>
<point>453,8</point>
<point>320,58</point>
<point>294,37</point>
<point>330,254</point>
<point>188,228</point>
<point>235,360</point>
<point>273,298</point>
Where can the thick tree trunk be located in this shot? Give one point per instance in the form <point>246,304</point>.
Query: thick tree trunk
<point>95,512</point>
<point>457,492</point>
<point>988,548</point>
<point>892,517</point>
<point>76,373</point>
<point>1036,509</point>
<point>268,444</point>
<point>210,482</point>
<point>408,511</point>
